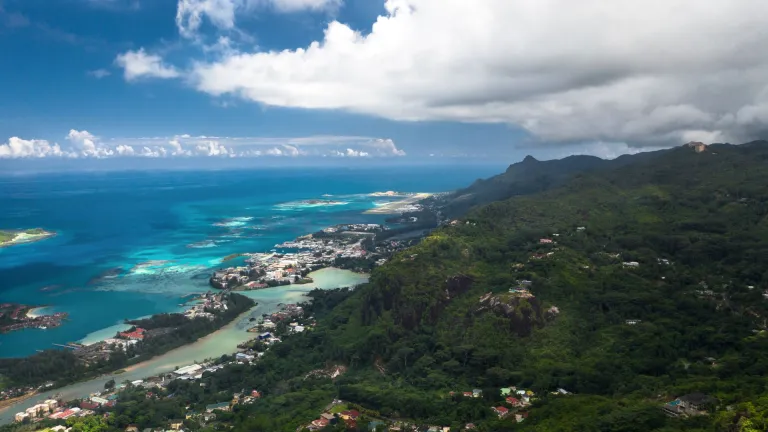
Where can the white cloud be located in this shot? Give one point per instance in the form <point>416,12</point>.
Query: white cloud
<point>84,144</point>
<point>88,145</point>
<point>222,14</point>
<point>212,148</point>
<point>99,73</point>
<point>356,153</point>
<point>642,73</point>
<point>385,147</point>
<point>125,150</point>
<point>284,150</point>
<point>190,13</point>
<point>288,6</point>
<point>139,64</point>
<point>21,148</point>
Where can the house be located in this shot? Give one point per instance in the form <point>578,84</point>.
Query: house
<point>580,228</point>
<point>545,241</point>
<point>477,393</point>
<point>132,428</point>
<point>320,423</point>
<point>696,401</point>
<point>256,394</point>
<point>136,334</point>
<point>469,426</point>
<point>632,321</point>
<point>631,264</point>
<point>221,406</point>
<point>176,424</point>
<point>522,415</point>
<point>501,411</point>
<point>88,405</point>
<point>688,405</point>
<point>266,335</point>
<point>506,391</point>
<point>467,394</point>
<point>514,401</point>
<point>330,417</point>
<point>349,414</point>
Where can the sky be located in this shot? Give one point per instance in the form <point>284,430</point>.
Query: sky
<point>397,81</point>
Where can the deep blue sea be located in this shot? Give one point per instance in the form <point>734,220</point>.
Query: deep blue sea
<point>131,244</point>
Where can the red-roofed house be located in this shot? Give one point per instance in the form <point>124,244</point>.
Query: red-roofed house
<point>513,401</point>
<point>501,411</point>
<point>320,423</point>
<point>137,334</point>
<point>89,405</point>
<point>350,414</point>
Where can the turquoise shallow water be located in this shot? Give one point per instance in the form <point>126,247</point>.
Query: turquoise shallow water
<point>131,244</point>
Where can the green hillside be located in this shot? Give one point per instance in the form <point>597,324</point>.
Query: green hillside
<point>652,288</point>
<point>420,330</point>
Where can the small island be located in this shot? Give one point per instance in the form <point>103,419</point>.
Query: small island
<point>16,237</point>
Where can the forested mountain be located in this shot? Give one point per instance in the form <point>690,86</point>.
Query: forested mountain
<point>627,286</point>
<point>531,176</point>
<point>695,224</point>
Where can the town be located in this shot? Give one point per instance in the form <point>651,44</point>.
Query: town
<point>290,262</point>
<point>15,316</point>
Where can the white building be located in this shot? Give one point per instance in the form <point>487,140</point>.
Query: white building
<point>188,370</point>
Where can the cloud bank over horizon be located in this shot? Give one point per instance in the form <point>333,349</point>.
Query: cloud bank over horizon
<point>650,74</point>
<point>83,144</point>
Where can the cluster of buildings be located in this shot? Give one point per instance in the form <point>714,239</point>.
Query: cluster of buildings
<point>208,302</point>
<point>348,417</point>
<point>266,269</point>
<point>16,317</point>
<point>38,411</point>
<point>515,400</point>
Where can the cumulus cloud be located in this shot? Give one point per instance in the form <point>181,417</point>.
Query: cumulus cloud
<point>21,148</point>
<point>212,148</point>
<point>650,73</point>
<point>139,64</point>
<point>88,145</point>
<point>284,150</point>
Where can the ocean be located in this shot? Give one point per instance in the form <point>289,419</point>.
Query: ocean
<point>132,244</point>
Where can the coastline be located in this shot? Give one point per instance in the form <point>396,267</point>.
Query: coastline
<point>36,312</point>
<point>11,402</point>
<point>22,237</point>
<point>217,343</point>
<point>399,206</point>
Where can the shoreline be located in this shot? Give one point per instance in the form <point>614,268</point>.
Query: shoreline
<point>211,345</point>
<point>399,206</point>
<point>13,401</point>
<point>22,237</point>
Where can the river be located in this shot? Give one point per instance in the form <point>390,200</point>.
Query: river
<point>222,341</point>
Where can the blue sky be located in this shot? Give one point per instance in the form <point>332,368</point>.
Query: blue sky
<point>359,79</point>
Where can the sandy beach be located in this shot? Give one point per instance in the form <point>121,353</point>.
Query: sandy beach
<point>399,206</point>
